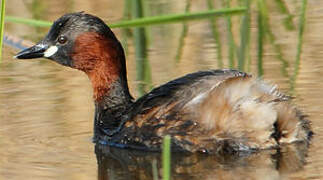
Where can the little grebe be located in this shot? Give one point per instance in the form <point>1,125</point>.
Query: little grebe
<point>209,111</point>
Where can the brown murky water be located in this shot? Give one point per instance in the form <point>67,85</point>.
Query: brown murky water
<point>46,110</point>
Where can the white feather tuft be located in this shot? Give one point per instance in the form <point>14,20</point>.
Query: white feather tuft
<point>50,51</point>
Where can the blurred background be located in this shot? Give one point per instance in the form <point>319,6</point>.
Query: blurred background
<point>46,110</point>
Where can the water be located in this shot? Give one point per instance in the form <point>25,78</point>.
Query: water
<point>46,110</point>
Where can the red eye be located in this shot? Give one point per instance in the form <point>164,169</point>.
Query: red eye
<point>62,39</point>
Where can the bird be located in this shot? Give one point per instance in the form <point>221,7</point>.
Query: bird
<point>213,111</point>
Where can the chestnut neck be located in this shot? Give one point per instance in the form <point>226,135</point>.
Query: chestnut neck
<point>102,58</point>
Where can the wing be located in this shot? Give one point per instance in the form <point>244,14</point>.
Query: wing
<point>220,110</point>
<point>247,113</point>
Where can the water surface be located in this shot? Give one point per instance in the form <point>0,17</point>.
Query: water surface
<point>46,110</point>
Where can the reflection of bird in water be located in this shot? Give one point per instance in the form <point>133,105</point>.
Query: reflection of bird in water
<point>211,111</point>
<point>114,163</point>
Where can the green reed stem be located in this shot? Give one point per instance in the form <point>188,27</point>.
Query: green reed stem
<point>31,22</point>
<point>216,35</point>
<point>230,37</point>
<point>166,157</point>
<point>182,37</point>
<point>300,43</point>
<point>278,50</point>
<point>244,37</point>
<point>126,31</point>
<point>288,20</point>
<point>3,3</point>
<point>268,33</point>
<point>183,34</point>
<point>142,64</point>
<point>169,18</point>
<point>260,38</point>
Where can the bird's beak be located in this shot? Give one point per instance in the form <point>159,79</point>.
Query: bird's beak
<point>36,51</point>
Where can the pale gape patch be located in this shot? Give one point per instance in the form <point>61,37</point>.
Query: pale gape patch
<point>50,51</point>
